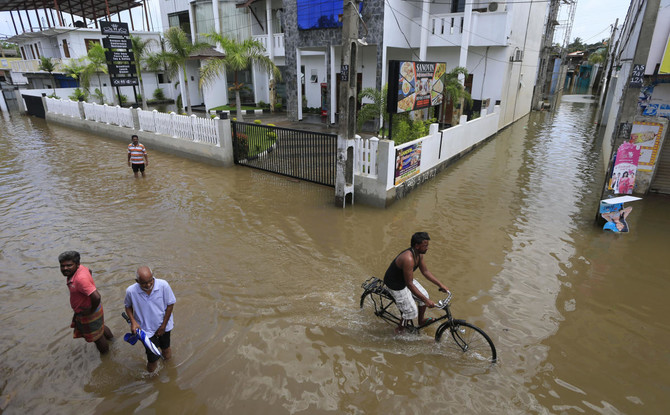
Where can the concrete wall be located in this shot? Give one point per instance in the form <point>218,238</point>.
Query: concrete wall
<point>202,152</point>
<point>438,150</point>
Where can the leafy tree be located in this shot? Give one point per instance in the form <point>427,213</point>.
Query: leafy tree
<point>373,110</point>
<point>598,56</point>
<point>97,62</point>
<point>178,49</point>
<point>76,69</point>
<point>141,52</point>
<point>239,56</point>
<point>48,65</point>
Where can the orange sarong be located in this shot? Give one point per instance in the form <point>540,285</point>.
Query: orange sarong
<point>91,327</point>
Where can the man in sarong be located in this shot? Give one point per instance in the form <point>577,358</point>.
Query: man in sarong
<point>88,320</point>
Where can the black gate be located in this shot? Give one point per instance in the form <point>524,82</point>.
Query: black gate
<point>301,154</point>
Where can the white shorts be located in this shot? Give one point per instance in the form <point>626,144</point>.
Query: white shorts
<point>407,303</point>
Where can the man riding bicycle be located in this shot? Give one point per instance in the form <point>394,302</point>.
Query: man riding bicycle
<point>399,278</point>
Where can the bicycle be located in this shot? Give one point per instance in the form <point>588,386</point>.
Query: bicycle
<point>467,337</point>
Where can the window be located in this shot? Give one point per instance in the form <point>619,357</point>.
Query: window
<point>180,20</point>
<point>90,43</point>
<point>66,50</point>
<point>457,6</point>
<point>323,14</point>
<point>235,22</point>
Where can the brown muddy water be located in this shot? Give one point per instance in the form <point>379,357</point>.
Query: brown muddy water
<point>267,275</point>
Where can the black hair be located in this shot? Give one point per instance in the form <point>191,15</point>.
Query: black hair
<point>134,136</point>
<point>419,237</point>
<point>69,256</point>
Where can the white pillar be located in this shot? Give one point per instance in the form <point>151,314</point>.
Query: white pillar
<point>271,43</point>
<point>425,14</point>
<point>298,63</point>
<point>217,19</point>
<point>465,43</point>
<point>191,18</point>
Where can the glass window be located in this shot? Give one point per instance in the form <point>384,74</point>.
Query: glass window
<point>235,23</point>
<point>323,14</point>
<point>180,20</point>
<point>204,21</point>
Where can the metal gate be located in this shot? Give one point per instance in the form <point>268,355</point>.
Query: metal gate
<point>661,181</point>
<point>34,105</point>
<point>305,155</point>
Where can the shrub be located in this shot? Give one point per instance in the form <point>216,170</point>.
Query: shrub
<point>78,94</point>
<point>122,99</point>
<point>242,147</point>
<point>271,135</point>
<point>262,104</point>
<point>257,122</point>
<point>139,98</point>
<point>278,106</point>
<point>158,94</point>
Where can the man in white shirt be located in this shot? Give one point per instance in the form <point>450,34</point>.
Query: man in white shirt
<point>149,303</point>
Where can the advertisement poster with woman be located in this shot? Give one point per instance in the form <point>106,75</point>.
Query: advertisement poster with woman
<point>625,168</point>
<point>646,136</point>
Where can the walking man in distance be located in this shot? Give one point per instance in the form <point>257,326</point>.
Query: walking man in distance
<point>137,156</point>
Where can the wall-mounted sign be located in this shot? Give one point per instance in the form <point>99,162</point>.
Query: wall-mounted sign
<point>114,28</point>
<point>637,75</point>
<point>118,56</point>
<point>109,43</point>
<point>344,73</point>
<point>125,81</point>
<point>415,85</point>
<point>407,162</point>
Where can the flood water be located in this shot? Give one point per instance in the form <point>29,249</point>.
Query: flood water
<point>267,275</point>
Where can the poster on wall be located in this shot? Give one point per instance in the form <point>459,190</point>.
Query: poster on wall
<point>407,162</point>
<point>625,168</point>
<point>419,85</point>
<point>646,136</point>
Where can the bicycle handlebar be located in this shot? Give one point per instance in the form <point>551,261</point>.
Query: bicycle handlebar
<point>445,302</point>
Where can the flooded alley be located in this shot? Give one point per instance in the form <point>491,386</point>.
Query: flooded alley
<point>267,274</point>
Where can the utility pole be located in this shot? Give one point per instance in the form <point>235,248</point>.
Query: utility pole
<point>344,178</point>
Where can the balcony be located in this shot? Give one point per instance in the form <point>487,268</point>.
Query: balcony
<point>488,29</point>
<point>33,65</point>
<point>278,43</point>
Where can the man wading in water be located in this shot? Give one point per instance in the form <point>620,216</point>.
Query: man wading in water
<point>399,278</point>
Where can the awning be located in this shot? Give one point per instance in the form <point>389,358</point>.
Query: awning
<point>90,9</point>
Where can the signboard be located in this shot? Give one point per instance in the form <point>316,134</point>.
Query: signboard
<point>109,43</point>
<point>407,162</point>
<point>625,168</point>
<point>122,69</point>
<point>131,81</point>
<point>114,28</point>
<point>637,75</point>
<point>646,136</point>
<point>415,85</point>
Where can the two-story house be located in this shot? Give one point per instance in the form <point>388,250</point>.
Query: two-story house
<point>497,42</point>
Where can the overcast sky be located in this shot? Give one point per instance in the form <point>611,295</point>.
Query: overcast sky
<point>592,19</point>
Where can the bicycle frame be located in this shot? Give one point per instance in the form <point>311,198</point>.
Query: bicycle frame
<point>383,299</point>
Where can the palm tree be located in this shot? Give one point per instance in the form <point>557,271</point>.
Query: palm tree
<point>97,62</point>
<point>140,50</point>
<point>239,56</point>
<point>454,88</point>
<point>373,110</point>
<point>179,48</point>
<point>48,65</point>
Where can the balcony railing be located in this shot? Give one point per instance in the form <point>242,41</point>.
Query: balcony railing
<point>33,65</point>
<point>278,43</point>
<point>487,29</point>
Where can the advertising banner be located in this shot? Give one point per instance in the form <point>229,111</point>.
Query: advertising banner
<point>415,85</point>
<point>125,81</point>
<point>407,162</point>
<point>109,43</point>
<point>625,168</point>
<point>646,136</point>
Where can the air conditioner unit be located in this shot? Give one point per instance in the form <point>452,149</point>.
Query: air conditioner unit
<point>493,6</point>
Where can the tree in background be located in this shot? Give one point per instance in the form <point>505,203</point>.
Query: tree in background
<point>178,49</point>
<point>374,110</point>
<point>141,52</point>
<point>239,56</point>
<point>97,62</point>
<point>48,65</point>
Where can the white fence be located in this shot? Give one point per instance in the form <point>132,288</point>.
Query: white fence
<point>193,128</point>
<point>365,157</point>
<point>64,107</point>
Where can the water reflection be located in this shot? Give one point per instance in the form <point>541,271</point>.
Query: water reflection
<point>267,276</point>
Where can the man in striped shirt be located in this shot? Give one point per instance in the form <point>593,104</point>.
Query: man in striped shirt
<point>137,156</point>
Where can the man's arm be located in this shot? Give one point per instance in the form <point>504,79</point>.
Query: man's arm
<point>95,302</point>
<point>429,275</point>
<point>407,265</point>
<point>166,318</point>
<point>129,157</point>
<point>134,325</point>
<point>146,158</point>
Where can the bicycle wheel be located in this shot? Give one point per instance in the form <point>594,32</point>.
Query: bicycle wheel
<point>468,339</point>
